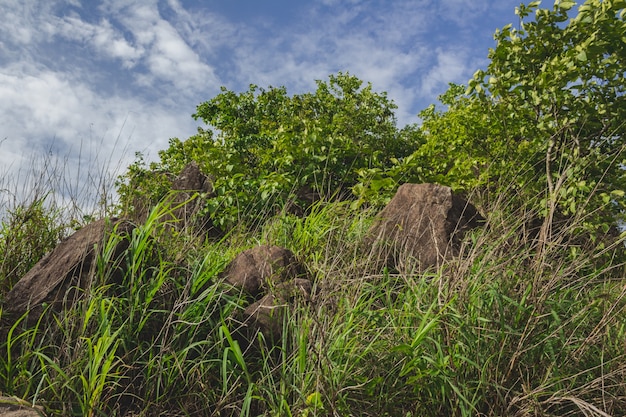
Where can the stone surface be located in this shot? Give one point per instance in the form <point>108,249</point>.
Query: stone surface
<point>67,266</point>
<point>274,278</point>
<point>189,182</point>
<point>421,227</point>
<point>267,314</point>
<point>192,179</point>
<point>14,407</point>
<point>252,270</point>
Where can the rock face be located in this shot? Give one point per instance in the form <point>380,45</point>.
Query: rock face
<point>12,407</point>
<point>421,227</point>
<point>256,269</point>
<point>190,181</point>
<point>67,266</point>
<point>272,276</point>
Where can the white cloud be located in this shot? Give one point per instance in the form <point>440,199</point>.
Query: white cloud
<point>21,20</point>
<point>171,59</point>
<point>204,31</point>
<point>137,34</point>
<point>103,37</point>
<point>50,104</point>
<point>168,56</point>
<point>94,134</point>
<point>451,66</point>
<point>387,49</point>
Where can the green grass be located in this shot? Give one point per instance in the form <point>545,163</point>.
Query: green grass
<point>506,329</point>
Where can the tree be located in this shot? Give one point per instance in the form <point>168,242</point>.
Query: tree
<point>547,116</point>
<point>263,147</point>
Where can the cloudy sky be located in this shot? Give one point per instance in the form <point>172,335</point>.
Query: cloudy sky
<point>92,82</point>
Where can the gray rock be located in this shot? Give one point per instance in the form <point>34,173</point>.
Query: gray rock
<point>421,227</point>
<point>254,270</point>
<point>68,266</point>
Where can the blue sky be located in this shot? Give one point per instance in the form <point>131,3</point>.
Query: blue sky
<point>96,81</point>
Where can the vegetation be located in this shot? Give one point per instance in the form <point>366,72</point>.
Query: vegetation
<point>548,113</point>
<point>528,321</point>
<point>271,149</point>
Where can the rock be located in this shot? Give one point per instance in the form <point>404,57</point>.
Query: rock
<point>189,182</point>
<point>185,208</point>
<point>192,179</point>
<point>421,227</point>
<point>68,266</point>
<point>15,407</point>
<point>273,277</point>
<point>254,269</point>
<point>267,314</point>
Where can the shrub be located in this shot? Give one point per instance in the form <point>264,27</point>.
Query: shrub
<point>268,148</point>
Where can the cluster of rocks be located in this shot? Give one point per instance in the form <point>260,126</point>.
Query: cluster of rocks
<point>420,228</point>
<point>275,280</point>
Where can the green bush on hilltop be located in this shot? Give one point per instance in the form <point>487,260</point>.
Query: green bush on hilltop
<point>529,320</point>
<point>263,147</point>
<point>547,116</point>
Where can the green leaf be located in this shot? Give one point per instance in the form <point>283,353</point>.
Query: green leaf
<point>566,5</point>
<point>314,400</point>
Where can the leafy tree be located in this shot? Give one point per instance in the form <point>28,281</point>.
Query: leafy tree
<point>263,147</point>
<point>547,116</point>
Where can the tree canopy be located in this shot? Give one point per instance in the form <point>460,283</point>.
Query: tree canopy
<point>263,146</point>
<point>545,118</point>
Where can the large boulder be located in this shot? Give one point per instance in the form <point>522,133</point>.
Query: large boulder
<point>274,279</point>
<point>69,267</point>
<point>421,227</point>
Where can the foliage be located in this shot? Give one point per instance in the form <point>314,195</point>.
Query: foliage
<point>270,147</point>
<point>26,235</point>
<point>500,331</point>
<point>142,187</point>
<point>508,328</point>
<point>548,111</point>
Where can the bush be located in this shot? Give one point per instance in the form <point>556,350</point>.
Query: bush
<point>270,147</point>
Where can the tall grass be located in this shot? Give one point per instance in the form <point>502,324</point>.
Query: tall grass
<point>504,329</point>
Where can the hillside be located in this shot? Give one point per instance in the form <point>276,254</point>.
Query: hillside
<point>304,256</point>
